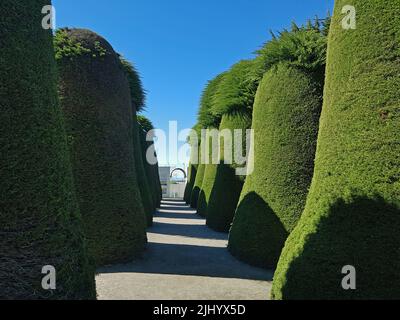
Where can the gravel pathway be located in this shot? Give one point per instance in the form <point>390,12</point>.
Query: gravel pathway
<point>185,260</point>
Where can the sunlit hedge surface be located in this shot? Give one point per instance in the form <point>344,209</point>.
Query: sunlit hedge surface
<point>96,101</point>
<point>352,216</point>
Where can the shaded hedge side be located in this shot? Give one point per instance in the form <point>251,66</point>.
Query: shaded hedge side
<point>285,123</point>
<point>191,176</point>
<point>40,223</point>
<point>233,101</point>
<point>198,182</point>
<point>152,170</point>
<point>96,102</point>
<point>210,121</point>
<point>143,180</point>
<point>221,183</point>
<point>352,216</point>
<point>138,102</point>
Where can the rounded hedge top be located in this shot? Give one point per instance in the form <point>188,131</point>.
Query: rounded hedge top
<point>70,43</point>
<point>96,101</point>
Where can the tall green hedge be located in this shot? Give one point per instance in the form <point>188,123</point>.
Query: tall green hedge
<point>198,182</point>
<point>144,182</point>
<point>208,120</point>
<point>96,102</point>
<point>40,223</point>
<point>233,101</point>
<point>151,169</point>
<point>221,182</point>
<point>193,141</point>
<point>285,123</point>
<point>138,102</point>
<point>352,216</point>
<point>191,177</point>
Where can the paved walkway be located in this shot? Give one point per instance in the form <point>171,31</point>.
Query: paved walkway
<point>185,260</point>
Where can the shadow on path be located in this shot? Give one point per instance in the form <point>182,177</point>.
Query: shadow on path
<point>177,247</point>
<point>180,244</point>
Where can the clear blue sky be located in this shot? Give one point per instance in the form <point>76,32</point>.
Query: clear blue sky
<point>178,45</point>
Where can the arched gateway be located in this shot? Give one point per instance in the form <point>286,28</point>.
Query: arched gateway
<point>172,186</point>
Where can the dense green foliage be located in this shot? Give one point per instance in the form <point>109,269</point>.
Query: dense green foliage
<point>236,91</point>
<point>198,182</point>
<point>285,123</point>
<point>143,181</point>
<point>302,47</point>
<point>135,84</point>
<point>208,120</point>
<point>138,100</point>
<point>40,223</point>
<point>233,101</point>
<point>191,177</point>
<point>352,215</point>
<point>145,123</point>
<point>96,102</point>
<point>151,169</point>
<point>193,141</point>
<point>221,182</point>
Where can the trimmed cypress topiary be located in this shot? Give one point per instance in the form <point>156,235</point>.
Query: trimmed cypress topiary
<point>144,183</point>
<point>191,176</point>
<point>40,223</point>
<point>151,170</point>
<point>221,183</point>
<point>233,101</point>
<point>198,182</point>
<point>193,140</point>
<point>96,101</point>
<point>138,102</point>
<point>209,121</point>
<point>285,123</point>
<point>352,215</point>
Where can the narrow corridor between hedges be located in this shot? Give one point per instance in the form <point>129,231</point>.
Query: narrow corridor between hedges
<point>184,260</point>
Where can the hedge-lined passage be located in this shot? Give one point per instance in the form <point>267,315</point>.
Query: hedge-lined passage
<point>96,102</point>
<point>285,123</point>
<point>233,101</point>
<point>40,223</point>
<point>352,216</point>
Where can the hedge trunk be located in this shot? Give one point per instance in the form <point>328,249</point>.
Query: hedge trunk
<point>285,123</point>
<point>40,223</point>
<point>352,216</point>
<point>96,101</point>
